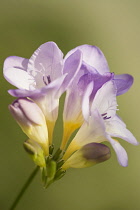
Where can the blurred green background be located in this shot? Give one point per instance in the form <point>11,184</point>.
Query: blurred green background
<point>112,25</point>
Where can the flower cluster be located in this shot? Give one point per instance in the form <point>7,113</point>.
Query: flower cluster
<point>90,107</point>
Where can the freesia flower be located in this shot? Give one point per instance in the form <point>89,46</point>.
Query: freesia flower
<point>102,123</point>
<point>90,105</point>
<point>94,69</point>
<point>41,78</point>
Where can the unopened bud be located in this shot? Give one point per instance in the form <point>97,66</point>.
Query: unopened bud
<point>87,156</point>
<point>32,121</point>
<point>35,151</point>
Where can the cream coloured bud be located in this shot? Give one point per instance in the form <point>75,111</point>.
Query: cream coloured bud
<point>88,155</point>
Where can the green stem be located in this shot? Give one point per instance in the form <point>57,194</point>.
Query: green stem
<point>25,186</point>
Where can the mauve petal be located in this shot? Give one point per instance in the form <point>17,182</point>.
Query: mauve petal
<point>18,77</point>
<point>120,152</point>
<point>97,78</point>
<point>73,98</point>
<point>31,111</point>
<point>48,59</point>
<point>93,56</point>
<point>55,86</point>
<point>16,62</point>
<point>123,83</point>
<point>38,93</point>
<point>22,93</point>
<point>86,101</point>
<point>71,67</point>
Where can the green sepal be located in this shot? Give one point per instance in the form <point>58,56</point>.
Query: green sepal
<point>44,175</point>
<point>60,163</point>
<point>29,148</point>
<point>48,159</point>
<point>59,174</point>
<point>57,154</point>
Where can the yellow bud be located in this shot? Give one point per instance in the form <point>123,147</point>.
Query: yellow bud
<point>35,151</point>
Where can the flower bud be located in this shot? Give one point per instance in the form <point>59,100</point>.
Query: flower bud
<point>35,151</point>
<point>32,121</point>
<point>87,156</point>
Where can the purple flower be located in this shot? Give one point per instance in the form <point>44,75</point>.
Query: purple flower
<point>101,122</point>
<point>90,104</point>
<point>43,78</point>
<point>94,69</point>
<point>73,119</point>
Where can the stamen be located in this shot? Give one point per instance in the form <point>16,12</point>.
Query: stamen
<point>49,79</point>
<point>46,79</point>
<point>105,116</point>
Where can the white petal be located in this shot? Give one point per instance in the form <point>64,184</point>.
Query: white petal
<point>117,128</point>
<point>19,78</point>
<point>93,131</point>
<point>73,107</point>
<point>93,56</point>
<point>71,67</point>
<point>49,106</point>
<point>16,62</point>
<point>86,101</point>
<point>105,100</point>
<point>49,103</point>
<point>55,86</point>
<point>120,152</point>
<point>48,99</point>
